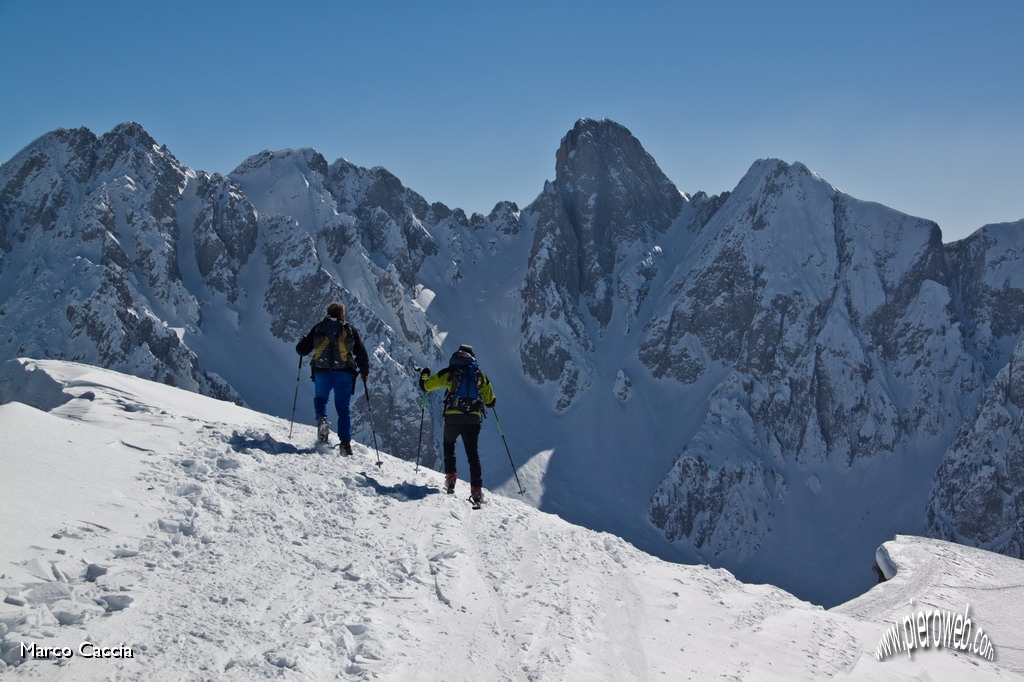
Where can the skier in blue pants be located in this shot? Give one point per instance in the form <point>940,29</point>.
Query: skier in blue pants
<point>338,356</point>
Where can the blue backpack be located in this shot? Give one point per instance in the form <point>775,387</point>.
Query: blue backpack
<point>466,379</point>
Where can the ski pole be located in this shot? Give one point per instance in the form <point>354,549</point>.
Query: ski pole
<point>498,422</point>
<point>423,411</point>
<point>295,401</point>
<point>369,411</point>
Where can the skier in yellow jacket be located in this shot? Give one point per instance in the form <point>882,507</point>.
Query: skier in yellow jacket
<point>467,392</point>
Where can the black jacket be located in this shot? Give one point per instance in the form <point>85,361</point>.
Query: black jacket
<point>328,357</point>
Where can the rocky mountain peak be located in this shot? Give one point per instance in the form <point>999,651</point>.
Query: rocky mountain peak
<point>130,146</point>
<point>608,183</point>
<point>130,132</point>
<point>278,161</point>
<point>596,223</point>
<point>592,139</point>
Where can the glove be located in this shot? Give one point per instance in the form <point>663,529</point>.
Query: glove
<point>424,375</point>
<point>365,375</point>
<point>492,403</point>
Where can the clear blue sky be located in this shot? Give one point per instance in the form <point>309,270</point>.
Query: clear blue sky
<point>916,104</point>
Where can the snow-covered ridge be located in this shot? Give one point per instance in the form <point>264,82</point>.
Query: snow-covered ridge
<point>189,537</point>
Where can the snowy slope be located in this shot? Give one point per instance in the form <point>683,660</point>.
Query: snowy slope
<point>195,536</point>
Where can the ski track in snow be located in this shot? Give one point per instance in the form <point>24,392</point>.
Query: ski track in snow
<point>231,553</point>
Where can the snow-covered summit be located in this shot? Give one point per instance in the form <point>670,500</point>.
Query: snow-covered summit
<point>185,537</point>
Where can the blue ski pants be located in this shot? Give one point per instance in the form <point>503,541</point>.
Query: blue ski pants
<point>343,384</point>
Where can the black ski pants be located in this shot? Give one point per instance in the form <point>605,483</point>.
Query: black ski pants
<point>470,438</point>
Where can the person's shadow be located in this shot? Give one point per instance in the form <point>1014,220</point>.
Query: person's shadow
<point>403,492</point>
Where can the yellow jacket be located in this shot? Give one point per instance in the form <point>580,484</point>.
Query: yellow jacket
<point>443,379</point>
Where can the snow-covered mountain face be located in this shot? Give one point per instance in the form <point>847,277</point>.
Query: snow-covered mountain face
<point>591,254</point>
<point>841,370</point>
<point>739,379</point>
<point>978,496</point>
<point>91,260</point>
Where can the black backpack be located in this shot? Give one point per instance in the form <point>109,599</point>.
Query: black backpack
<point>333,346</point>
